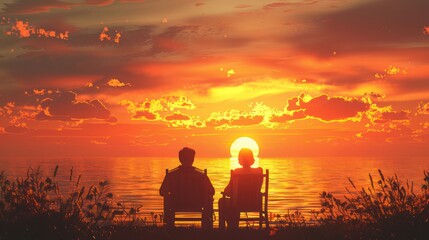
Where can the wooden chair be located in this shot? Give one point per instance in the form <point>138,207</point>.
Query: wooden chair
<point>247,196</point>
<point>188,195</point>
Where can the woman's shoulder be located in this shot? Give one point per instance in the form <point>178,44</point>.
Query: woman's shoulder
<point>257,170</point>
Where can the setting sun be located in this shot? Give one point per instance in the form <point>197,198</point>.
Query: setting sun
<point>244,142</point>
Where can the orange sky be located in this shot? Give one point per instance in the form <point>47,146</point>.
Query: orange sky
<point>145,78</point>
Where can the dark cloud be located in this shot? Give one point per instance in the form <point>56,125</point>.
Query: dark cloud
<point>29,7</point>
<point>64,106</point>
<point>38,6</point>
<point>99,2</point>
<point>365,27</point>
<point>169,40</point>
<point>70,64</point>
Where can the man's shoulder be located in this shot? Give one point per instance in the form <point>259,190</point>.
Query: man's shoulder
<point>187,170</point>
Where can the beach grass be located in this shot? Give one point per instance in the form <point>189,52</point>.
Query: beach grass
<point>34,207</point>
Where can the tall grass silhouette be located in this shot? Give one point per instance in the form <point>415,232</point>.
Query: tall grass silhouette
<point>388,209</point>
<point>34,207</point>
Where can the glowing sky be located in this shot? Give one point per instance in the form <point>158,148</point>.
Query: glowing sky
<point>145,78</point>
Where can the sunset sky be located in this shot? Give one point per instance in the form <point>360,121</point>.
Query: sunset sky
<point>145,78</point>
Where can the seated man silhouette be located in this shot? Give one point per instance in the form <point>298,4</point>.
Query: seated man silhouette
<point>185,188</point>
<point>226,206</point>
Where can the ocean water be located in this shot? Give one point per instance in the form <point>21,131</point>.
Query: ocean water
<point>295,183</point>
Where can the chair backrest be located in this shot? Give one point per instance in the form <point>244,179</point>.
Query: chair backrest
<point>246,192</point>
<point>188,193</point>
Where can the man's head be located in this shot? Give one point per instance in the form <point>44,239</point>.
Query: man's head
<point>245,157</point>
<point>186,156</point>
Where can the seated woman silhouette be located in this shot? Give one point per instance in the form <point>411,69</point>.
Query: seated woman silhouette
<point>227,206</point>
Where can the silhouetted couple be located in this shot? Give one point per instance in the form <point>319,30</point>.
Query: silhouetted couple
<point>188,185</point>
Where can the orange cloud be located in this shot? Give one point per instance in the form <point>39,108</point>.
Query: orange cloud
<point>287,117</point>
<point>391,70</point>
<point>386,114</point>
<point>234,119</point>
<point>328,109</point>
<point>426,30</point>
<point>159,109</point>
<point>25,30</point>
<point>177,117</point>
<point>174,102</point>
<point>116,83</point>
<point>145,115</point>
<point>246,120</point>
<point>389,134</point>
<point>105,36</point>
<point>16,129</point>
<point>423,108</point>
<point>392,116</point>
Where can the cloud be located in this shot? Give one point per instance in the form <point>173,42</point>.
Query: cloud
<point>177,117</point>
<point>423,108</point>
<point>16,129</point>
<point>389,71</point>
<point>64,106</point>
<point>169,40</point>
<point>328,108</point>
<point>246,120</point>
<point>106,36</point>
<point>116,83</point>
<point>234,119</point>
<point>159,109</point>
<point>40,6</point>
<point>364,26</point>
<point>392,116</point>
<point>99,2</point>
<point>25,30</point>
<point>30,7</point>
<point>288,117</point>
<point>242,6</point>
<point>386,114</point>
<point>179,102</point>
<point>388,134</point>
<point>275,5</point>
<point>374,95</point>
<point>145,115</point>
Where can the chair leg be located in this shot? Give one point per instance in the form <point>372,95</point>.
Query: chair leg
<point>260,220</point>
<point>267,222</point>
<point>207,219</point>
<point>169,218</point>
<point>222,220</point>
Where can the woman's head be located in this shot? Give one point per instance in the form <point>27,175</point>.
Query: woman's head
<point>245,157</point>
